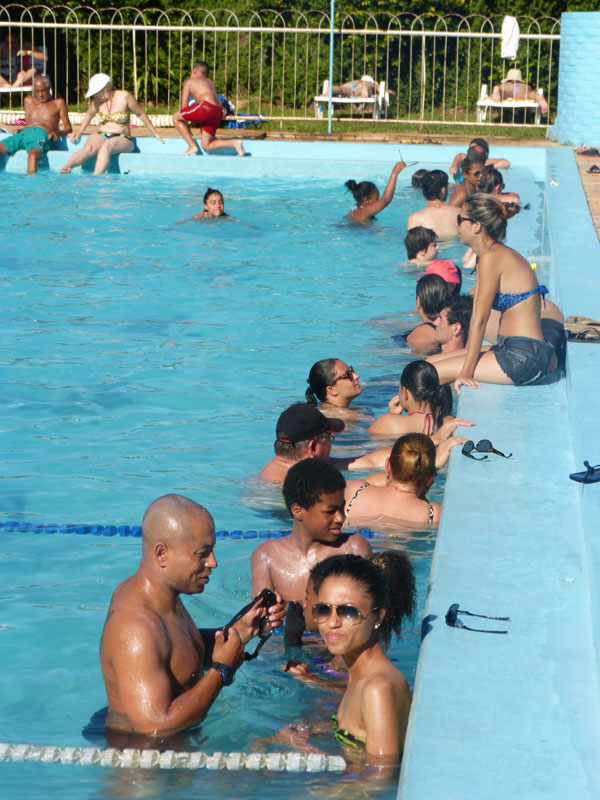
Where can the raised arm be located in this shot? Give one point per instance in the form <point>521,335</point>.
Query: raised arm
<point>386,198</point>
<point>137,109</point>
<point>455,162</point>
<point>144,685</point>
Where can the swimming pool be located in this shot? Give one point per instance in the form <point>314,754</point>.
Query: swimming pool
<point>148,357</point>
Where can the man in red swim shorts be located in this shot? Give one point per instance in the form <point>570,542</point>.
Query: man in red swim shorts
<point>206,112</point>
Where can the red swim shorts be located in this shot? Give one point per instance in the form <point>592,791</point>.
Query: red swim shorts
<point>206,115</point>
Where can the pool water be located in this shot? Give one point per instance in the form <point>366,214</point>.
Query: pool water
<point>143,357</point>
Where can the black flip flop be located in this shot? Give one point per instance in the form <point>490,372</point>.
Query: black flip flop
<point>594,169</point>
<point>591,474</point>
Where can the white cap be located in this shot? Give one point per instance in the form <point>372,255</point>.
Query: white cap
<point>97,83</point>
<point>367,78</point>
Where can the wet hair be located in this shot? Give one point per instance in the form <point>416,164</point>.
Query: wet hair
<point>433,292</point>
<point>412,460</point>
<point>321,374</point>
<point>468,162</point>
<point>310,478</point>
<point>210,191</point>
<point>422,381</point>
<point>381,584</point>
<point>490,178</point>
<point>360,191</point>
<point>433,183</point>
<point>290,451</point>
<point>480,143</point>
<point>460,309</point>
<point>417,178</point>
<point>492,213</point>
<point>202,67</point>
<point>418,239</point>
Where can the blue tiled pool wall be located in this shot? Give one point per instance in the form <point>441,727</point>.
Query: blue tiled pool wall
<point>578,120</point>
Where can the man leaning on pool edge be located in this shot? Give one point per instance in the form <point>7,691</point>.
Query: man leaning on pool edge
<point>160,672</point>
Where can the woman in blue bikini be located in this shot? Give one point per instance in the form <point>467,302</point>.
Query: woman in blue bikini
<point>505,282</point>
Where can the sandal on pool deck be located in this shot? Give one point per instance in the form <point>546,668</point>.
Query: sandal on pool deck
<point>591,475</point>
<point>591,151</point>
<point>594,169</point>
<point>588,334</point>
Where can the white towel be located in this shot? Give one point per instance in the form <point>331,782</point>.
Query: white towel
<point>510,38</point>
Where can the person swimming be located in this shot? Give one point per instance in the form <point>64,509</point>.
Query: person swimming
<point>214,205</point>
<point>366,196</point>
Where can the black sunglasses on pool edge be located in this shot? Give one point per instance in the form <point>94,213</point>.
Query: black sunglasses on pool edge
<point>453,622</point>
<point>483,446</point>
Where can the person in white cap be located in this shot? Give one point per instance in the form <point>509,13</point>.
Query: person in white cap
<point>365,87</point>
<point>113,108</point>
<point>513,87</point>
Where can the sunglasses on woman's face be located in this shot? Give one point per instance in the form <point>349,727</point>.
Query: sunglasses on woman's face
<point>483,446</point>
<point>348,374</point>
<point>460,220</point>
<point>347,613</point>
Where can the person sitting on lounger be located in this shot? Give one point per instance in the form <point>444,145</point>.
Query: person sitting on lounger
<point>365,87</point>
<point>366,196</point>
<point>513,87</point>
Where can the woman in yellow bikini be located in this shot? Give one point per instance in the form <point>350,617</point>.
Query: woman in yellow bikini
<point>113,108</point>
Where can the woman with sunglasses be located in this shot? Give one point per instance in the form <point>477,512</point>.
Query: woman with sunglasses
<point>504,282</point>
<point>356,619</point>
<point>333,385</point>
<point>472,170</point>
<point>409,474</point>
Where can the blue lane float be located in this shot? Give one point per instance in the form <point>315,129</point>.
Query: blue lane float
<point>135,531</point>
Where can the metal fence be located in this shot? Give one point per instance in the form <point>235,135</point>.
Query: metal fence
<point>274,63</point>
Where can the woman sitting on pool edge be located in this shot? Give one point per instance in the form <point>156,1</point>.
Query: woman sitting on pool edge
<point>366,196</point>
<point>504,281</point>
<point>113,108</point>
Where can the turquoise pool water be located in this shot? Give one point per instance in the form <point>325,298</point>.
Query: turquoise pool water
<point>144,357</point>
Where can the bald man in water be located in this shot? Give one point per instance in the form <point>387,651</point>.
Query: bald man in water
<point>160,672</point>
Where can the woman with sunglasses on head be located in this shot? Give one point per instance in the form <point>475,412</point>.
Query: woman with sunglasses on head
<point>356,618</point>
<point>504,282</point>
<point>333,385</point>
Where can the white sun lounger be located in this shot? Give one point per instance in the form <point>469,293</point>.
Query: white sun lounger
<point>379,101</point>
<point>485,102</point>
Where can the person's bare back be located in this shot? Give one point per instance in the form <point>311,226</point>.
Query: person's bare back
<point>201,89</point>
<point>438,217</point>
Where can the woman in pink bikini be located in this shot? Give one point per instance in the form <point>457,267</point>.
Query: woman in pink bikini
<point>421,405</point>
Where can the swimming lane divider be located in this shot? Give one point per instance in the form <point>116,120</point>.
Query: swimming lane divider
<point>135,531</point>
<point>170,759</point>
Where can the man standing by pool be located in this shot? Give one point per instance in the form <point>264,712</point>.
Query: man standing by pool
<point>43,116</point>
<point>206,111</point>
<point>160,672</point>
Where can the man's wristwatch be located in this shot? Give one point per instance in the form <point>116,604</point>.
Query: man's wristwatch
<point>226,671</point>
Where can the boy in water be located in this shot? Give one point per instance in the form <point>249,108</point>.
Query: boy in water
<point>313,491</point>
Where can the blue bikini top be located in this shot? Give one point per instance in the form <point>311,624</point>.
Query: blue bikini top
<point>504,301</point>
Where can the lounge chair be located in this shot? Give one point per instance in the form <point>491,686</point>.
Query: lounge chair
<point>379,101</point>
<point>485,102</point>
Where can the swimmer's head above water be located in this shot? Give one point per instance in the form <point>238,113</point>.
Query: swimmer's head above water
<point>364,192</point>
<point>214,205</point>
